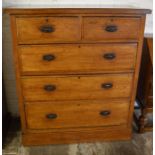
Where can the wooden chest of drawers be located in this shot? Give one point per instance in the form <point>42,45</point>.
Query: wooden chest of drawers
<point>77,72</point>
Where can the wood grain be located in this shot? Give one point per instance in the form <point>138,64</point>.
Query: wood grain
<point>86,114</point>
<point>83,135</point>
<point>78,73</point>
<point>80,58</point>
<point>30,11</point>
<point>94,28</point>
<point>77,87</point>
<point>137,68</point>
<point>65,29</point>
<point>150,46</point>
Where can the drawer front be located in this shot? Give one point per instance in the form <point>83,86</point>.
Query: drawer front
<point>47,29</point>
<point>111,28</point>
<point>48,115</point>
<point>76,87</point>
<point>77,58</point>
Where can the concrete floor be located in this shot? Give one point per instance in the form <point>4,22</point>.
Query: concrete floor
<point>141,144</point>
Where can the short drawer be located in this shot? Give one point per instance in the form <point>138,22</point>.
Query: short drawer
<point>111,28</point>
<point>76,87</point>
<point>69,114</point>
<point>47,29</point>
<point>77,58</point>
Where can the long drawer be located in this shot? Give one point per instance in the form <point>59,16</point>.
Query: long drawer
<point>69,114</point>
<point>76,87</point>
<point>111,28</point>
<point>48,29</point>
<point>79,58</point>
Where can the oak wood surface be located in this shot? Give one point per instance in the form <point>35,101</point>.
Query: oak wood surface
<point>95,28</point>
<point>77,87</point>
<point>86,114</point>
<point>65,28</point>
<point>137,67</point>
<point>150,46</point>
<point>85,31</point>
<point>24,11</point>
<point>70,30</point>
<point>82,135</point>
<point>70,58</point>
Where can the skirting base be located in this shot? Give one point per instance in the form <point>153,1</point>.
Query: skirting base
<point>77,136</point>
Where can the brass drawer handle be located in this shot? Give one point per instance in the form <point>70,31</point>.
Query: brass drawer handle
<point>47,29</point>
<point>111,28</point>
<point>105,113</point>
<point>107,85</point>
<point>48,57</point>
<point>51,116</point>
<point>109,56</point>
<point>49,87</point>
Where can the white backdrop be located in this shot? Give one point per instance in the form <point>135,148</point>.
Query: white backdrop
<point>138,3</point>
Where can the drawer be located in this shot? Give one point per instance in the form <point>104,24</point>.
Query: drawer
<point>77,58</point>
<point>111,28</point>
<point>46,115</point>
<point>76,87</point>
<point>47,29</point>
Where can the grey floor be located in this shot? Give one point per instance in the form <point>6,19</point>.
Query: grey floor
<point>141,144</point>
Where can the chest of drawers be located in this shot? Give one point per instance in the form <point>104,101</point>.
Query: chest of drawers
<point>77,72</point>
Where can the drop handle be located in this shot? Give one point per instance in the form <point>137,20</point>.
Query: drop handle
<point>111,28</point>
<point>109,56</point>
<point>49,88</point>
<point>105,113</point>
<point>107,85</point>
<point>47,29</point>
<point>51,116</point>
<point>48,57</point>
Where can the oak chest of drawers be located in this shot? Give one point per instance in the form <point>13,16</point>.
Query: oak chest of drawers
<point>77,72</point>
